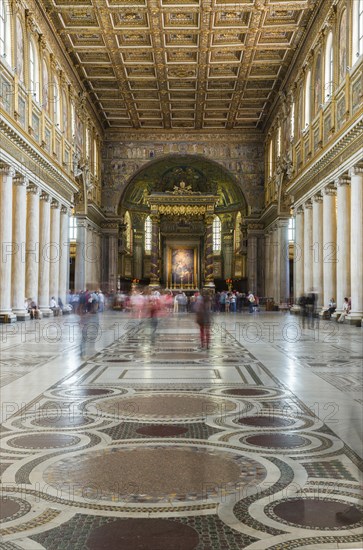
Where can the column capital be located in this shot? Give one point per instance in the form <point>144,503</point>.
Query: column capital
<point>54,204</point>
<point>33,189</point>
<point>20,180</point>
<point>356,169</point>
<point>7,170</point>
<point>299,210</point>
<point>44,196</point>
<point>64,210</point>
<point>318,198</point>
<point>343,180</point>
<point>308,204</point>
<point>155,218</point>
<point>330,190</point>
<point>81,222</point>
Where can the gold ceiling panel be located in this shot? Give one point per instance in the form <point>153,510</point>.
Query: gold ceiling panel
<point>189,64</point>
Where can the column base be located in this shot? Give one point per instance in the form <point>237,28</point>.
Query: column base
<point>155,283</point>
<point>354,318</point>
<point>21,314</point>
<point>7,317</point>
<point>46,312</point>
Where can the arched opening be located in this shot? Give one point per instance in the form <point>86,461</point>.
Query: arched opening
<point>191,200</point>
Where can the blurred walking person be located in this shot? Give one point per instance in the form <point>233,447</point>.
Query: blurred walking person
<point>204,319</point>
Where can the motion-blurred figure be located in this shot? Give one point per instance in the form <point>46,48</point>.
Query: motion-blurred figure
<point>204,319</point>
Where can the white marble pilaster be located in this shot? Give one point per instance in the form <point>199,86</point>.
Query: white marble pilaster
<point>252,262</point>
<point>308,250</point>
<point>55,250</point>
<point>283,263</point>
<point>299,254</point>
<point>329,243</point>
<point>343,242</point>
<point>356,243</point>
<point>267,264</point>
<point>32,243</point>
<point>112,261</point>
<point>318,275</point>
<point>6,241</point>
<point>19,240</point>
<point>64,260</point>
<point>274,249</point>
<point>44,238</point>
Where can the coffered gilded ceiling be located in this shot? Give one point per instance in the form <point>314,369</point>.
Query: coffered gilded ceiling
<point>179,64</point>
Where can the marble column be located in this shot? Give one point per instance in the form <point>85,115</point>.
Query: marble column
<point>252,262</point>
<point>329,244</point>
<point>318,276</point>
<point>343,243</point>
<point>44,238</point>
<point>267,263</point>
<point>64,259</point>
<point>227,251</point>
<point>299,254</point>
<point>208,253</point>
<point>356,243</point>
<point>283,263</point>
<point>32,243</point>
<point>6,240</point>
<point>308,249</point>
<point>274,265</point>
<point>80,262</point>
<point>154,259</point>
<point>88,257</point>
<point>19,240</point>
<point>112,261</point>
<point>55,250</point>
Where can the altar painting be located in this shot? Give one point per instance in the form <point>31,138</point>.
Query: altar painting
<point>182,267</point>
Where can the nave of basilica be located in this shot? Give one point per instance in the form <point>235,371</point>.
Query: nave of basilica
<point>181,290</point>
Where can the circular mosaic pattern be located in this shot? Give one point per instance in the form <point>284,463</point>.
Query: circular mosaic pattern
<point>154,474</point>
<point>265,421</point>
<point>87,392</point>
<point>43,441</point>
<point>143,534</point>
<point>165,405</point>
<point>161,430</point>
<point>62,421</point>
<point>318,513</point>
<point>246,392</point>
<point>277,440</point>
<point>12,508</point>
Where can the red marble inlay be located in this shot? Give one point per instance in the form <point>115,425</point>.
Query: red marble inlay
<point>265,421</point>
<point>276,440</point>
<point>320,513</point>
<point>161,430</point>
<point>246,392</point>
<point>8,507</point>
<point>143,534</point>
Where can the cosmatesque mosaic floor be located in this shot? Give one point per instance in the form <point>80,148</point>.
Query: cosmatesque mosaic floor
<point>147,442</point>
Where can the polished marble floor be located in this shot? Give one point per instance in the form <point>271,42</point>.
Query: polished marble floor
<point>140,440</point>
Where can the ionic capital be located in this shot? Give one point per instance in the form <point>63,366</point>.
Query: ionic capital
<point>54,204</point>
<point>308,204</point>
<point>64,210</point>
<point>20,180</point>
<point>330,191</point>
<point>7,170</point>
<point>318,198</point>
<point>343,180</point>
<point>44,196</point>
<point>33,189</point>
<point>356,170</point>
<point>299,210</point>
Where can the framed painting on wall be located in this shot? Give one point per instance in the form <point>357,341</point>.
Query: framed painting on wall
<point>182,267</point>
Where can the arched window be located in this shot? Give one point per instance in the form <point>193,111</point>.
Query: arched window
<point>217,234</point>
<point>357,37</point>
<point>269,160</point>
<point>292,120</point>
<point>19,50</point>
<point>291,229</point>
<point>33,70</point>
<point>56,102</point>
<point>307,118</point>
<point>328,80</point>
<point>128,232</point>
<point>45,89</point>
<point>64,113</point>
<point>148,234</point>
<point>279,141</point>
<point>237,233</point>
<point>343,46</point>
<point>5,31</point>
<point>317,83</point>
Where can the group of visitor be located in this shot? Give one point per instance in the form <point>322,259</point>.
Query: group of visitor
<point>308,308</point>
